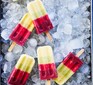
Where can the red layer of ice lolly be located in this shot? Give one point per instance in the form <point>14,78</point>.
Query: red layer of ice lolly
<point>20,34</point>
<point>23,30</point>
<point>18,77</point>
<point>43,24</point>
<point>47,71</point>
<point>72,62</point>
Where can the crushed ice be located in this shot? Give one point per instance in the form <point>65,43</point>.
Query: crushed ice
<point>71,32</point>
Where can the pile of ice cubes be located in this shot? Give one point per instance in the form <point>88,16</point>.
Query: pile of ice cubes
<point>71,32</point>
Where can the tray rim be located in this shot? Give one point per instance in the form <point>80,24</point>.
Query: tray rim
<point>91,43</point>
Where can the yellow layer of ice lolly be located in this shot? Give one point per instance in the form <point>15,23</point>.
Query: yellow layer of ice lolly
<point>64,73</point>
<point>36,9</point>
<point>26,22</point>
<point>40,4</point>
<point>45,55</point>
<point>25,63</point>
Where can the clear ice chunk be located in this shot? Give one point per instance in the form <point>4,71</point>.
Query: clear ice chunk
<point>72,4</point>
<point>1,58</point>
<point>75,43</point>
<point>32,42</point>
<point>7,67</point>
<point>5,48</point>
<point>17,49</point>
<point>10,57</point>
<point>5,34</point>
<point>85,69</point>
<point>30,51</point>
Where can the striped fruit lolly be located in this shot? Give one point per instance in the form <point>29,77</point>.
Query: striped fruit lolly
<point>68,67</point>
<point>22,31</point>
<point>40,17</point>
<point>46,64</point>
<point>21,71</point>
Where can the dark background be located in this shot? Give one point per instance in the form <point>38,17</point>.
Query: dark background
<point>1,16</point>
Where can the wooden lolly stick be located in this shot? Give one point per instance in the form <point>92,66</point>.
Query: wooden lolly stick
<point>48,82</point>
<point>80,53</point>
<point>12,46</point>
<point>49,36</point>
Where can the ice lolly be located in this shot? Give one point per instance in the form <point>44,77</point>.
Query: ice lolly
<point>47,68</point>
<point>40,17</point>
<point>22,31</point>
<point>68,67</point>
<point>21,70</point>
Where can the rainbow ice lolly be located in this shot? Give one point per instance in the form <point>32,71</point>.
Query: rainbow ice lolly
<point>68,67</point>
<point>21,70</point>
<point>47,68</point>
<point>40,17</point>
<point>22,31</point>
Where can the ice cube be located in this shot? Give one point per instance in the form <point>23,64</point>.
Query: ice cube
<point>67,29</point>
<point>18,49</point>
<point>5,48</point>
<point>37,81</point>
<point>35,78</point>
<point>72,4</point>
<point>41,39</point>
<point>58,57</point>
<point>85,83</point>
<point>85,5</point>
<point>15,0</point>
<point>56,35</point>
<point>66,51</point>
<point>5,75</point>
<point>87,59</point>
<point>10,56</point>
<point>62,12</point>
<point>85,69</point>
<point>75,43</point>
<point>80,0</point>
<point>5,34</point>
<point>76,20</point>
<point>3,23</point>
<point>80,77</point>
<point>86,14</point>
<point>86,43</point>
<point>32,42</point>
<point>6,0</point>
<point>49,5</point>
<point>52,15</point>
<point>1,58</point>
<point>7,67</point>
<point>73,82</point>
<point>30,51</point>
<point>86,23</point>
<point>67,20</point>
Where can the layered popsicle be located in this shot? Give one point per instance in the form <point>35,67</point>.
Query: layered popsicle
<point>22,70</point>
<point>23,30</point>
<point>47,68</point>
<point>68,67</point>
<point>40,17</point>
